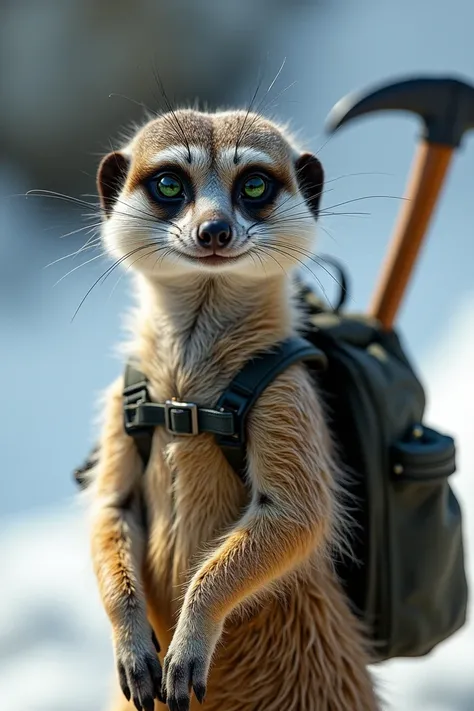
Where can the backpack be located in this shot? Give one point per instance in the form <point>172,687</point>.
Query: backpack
<point>405,577</point>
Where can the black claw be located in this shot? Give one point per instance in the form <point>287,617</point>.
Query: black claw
<point>183,703</point>
<point>155,641</point>
<point>123,681</point>
<point>200,692</point>
<point>161,698</point>
<point>157,678</point>
<point>163,693</point>
<point>148,704</point>
<point>137,703</point>
<point>159,693</point>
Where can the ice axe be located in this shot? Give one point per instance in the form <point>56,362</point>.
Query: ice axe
<point>446,107</point>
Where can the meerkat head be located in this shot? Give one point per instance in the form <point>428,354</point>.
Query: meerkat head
<point>212,192</point>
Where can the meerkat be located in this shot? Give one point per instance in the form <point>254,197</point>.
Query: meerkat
<point>225,589</point>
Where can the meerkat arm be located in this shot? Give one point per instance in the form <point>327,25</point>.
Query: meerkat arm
<point>118,546</point>
<point>291,502</point>
<point>289,467</point>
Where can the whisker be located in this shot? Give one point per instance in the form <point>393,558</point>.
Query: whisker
<point>142,256</point>
<point>133,101</point>
<point>259,110</point>
<point>252,257</point>
<point>328,232</point>
<point>301,218</point>
<point>352,175</point>
<point>365,197</point>
<point>249,108</point>
<point>269,254</point>
<point>140,211</point>
<point>277,210</point>
<point>277,75</point>
<point>305,216</point>
<point>130,254</point>
<point>272,212</point>
<point>181,131</point>
<point>323,212</point>
<point>74,269</point>
<point>73,254</point>
<point>314,258</point>
<point>165,254</point>
<point>303,264</point>
<point>273,101</point>
<point>106,273</point>
<point>38,192</point>
<point>308,255</point>
<point>260,260</point>
<point>96,209</point>
<point>321,148</point>
<point>80,229</point>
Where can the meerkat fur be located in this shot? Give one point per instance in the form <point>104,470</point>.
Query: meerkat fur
<point>216,588</point>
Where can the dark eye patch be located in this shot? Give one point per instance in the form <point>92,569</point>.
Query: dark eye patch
<point>170,189</point>
<point>255,190</point>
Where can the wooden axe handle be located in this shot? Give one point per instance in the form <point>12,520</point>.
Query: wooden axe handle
<point>427,176</point>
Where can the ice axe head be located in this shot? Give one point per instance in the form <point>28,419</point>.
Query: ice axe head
<point>445,105</point>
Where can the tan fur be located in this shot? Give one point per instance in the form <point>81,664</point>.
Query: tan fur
<point>239,583</point>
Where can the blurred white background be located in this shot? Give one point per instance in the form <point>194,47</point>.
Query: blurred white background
<point>58,64</point>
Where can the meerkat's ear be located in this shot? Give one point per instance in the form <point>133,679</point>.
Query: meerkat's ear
<point>310,177</point>
<point>111,177</point>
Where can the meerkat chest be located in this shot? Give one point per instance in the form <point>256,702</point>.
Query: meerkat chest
<point>194,493</point>
<point>199,377</point>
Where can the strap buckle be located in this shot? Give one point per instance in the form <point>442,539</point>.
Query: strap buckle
<point>190,407</point>
<point>136,394</point>
<point>133,397</point>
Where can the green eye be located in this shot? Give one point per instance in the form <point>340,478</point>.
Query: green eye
<point>254,187</point>
<point>169,186</point>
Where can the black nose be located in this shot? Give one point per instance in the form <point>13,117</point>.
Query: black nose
<point>214,234</point>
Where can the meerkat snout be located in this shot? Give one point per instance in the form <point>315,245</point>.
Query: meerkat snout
<point>224,191</point>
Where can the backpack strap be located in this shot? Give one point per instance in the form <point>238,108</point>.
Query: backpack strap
<point>247,386</point>
<point>135,394</point>
<point>228,421</point>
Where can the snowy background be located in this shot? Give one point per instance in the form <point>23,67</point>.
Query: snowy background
<point>58,64</point>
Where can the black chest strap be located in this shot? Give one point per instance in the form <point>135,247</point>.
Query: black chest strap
<point>228,420</point>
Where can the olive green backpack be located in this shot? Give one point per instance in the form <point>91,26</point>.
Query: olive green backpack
<point>405,577</point>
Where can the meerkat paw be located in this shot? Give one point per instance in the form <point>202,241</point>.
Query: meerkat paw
<point>186,666</point>
<point>139,670</point>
